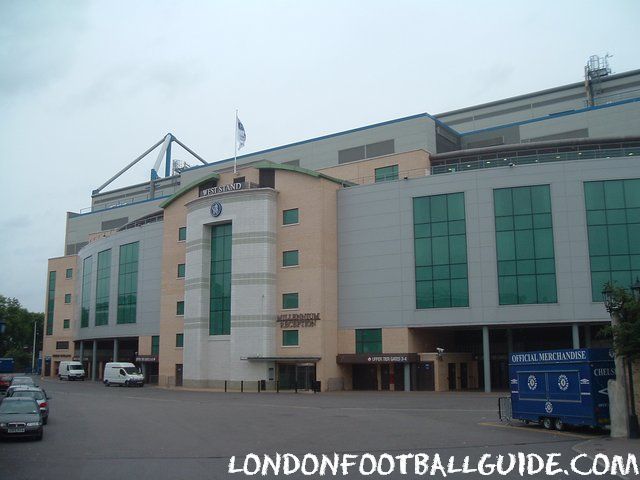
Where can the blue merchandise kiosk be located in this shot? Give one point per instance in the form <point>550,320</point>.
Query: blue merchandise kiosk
<point>561,387</point>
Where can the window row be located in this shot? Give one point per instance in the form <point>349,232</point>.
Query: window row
<point>155,343</point>
<point>525,243</point>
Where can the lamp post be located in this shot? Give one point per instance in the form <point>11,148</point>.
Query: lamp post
<point>33,349</point>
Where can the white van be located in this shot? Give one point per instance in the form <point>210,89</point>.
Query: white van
<point>122,373</point>
<point>71,371</point>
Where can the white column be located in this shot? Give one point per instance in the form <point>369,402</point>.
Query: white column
<point>94,360</point>
<point>575,335</point>
<point>486,359</point>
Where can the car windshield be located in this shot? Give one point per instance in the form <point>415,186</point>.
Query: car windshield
<point>11,408</point>
<point>130,370</point>
<point>22,381</point>
<point>28,394</point>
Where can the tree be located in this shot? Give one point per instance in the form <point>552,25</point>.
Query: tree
<point>626,335</point>
<point>17,340</point>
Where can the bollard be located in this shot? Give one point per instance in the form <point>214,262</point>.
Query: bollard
<point>258,386</point>
<point>241,386</point>
<point>277,386</point>
<point>295,384</point>
<point>225,386</point>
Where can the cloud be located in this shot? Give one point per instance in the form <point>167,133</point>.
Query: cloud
<point>37,43</point>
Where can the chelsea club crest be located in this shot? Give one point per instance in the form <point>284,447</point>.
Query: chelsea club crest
<point>216,209</point>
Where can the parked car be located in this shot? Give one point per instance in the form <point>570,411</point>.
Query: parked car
<point>71,371</point>
<point>122,373</point>
<point>38,395</point>
<point>5,381</point>
<point>20,417</point>
<point>20,382</point>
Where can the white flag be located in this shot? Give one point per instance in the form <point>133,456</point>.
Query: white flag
<point>241,135</point>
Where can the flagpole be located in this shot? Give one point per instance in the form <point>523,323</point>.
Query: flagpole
<point>235,146</point>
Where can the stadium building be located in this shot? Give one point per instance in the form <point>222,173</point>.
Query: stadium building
<point>412,254</point>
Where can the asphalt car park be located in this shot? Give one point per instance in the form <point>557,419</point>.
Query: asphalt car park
<point>154,433</point>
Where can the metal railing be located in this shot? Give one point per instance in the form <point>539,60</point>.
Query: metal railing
<point>496,160</point>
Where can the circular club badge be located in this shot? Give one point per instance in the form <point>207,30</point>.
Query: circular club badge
<point>563,382</point>
<point>216,209</point>
<point>548,407</point>
<point>532,382</point>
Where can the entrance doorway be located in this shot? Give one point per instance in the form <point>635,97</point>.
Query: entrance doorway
<point>365,377</point>
<point>452,376</point>
<point>178,375</point>
<point>464,376</point>
<point>424,376</point>
<point>301,376</point>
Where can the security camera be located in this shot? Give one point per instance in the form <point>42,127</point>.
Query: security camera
<point>440,351</point>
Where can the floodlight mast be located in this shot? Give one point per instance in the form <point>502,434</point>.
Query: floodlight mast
<point>164,153</point>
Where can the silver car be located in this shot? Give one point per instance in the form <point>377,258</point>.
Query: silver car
<point>39,395</point>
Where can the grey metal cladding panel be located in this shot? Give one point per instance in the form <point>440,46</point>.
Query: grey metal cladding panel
<point>78,228</point>
<point>149,280</point>
<point>408,135</point>
<point>115,223</point>
<point>581,133</point>
<point>367,258</point>
<point>619,120</point>
<point>378,149</point>
<point>510,134</point>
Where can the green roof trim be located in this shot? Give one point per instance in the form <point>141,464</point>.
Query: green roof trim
<point>266,165</point>
<point>186,188</point>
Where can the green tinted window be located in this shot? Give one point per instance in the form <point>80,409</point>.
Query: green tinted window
<point>128,283</point>
<point>51,294</point>
<point>289,300</point>
<point>155,345</point>
<point>290,217</point>
<point>180,308</point>
<point>67,298</point>
<point>69,273</point>
<point>613,228</point>
<point>386,173</point>
<point>65,323</point>
<point>440,245</point>
<point>181,270</point>
<point>103,287</point>
<point>220,280</point>
<point>87,268</point>
<point>290,338</point>
<point>524,245</point>
<point>179,340</point>
<point>369,340</point>
<point>290,258</point>
<point>182,234</point>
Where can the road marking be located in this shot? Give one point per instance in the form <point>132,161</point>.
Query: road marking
<point>539,430</point>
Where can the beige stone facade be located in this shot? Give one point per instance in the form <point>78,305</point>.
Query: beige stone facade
<point>63,322</point>
<point>411,164</point>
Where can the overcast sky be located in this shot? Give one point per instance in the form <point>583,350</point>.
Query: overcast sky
<point>85,87</point>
